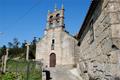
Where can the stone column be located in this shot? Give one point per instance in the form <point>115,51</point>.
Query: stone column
<point>5,58</point>
<point>2,63</point>
<point>27,52</point>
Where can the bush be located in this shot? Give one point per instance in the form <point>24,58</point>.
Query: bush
<point>11,76</point>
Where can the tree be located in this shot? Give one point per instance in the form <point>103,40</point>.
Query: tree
<point>4,50</point>
<point>34,41</point>
<point>23,49</point>
<point>10,44</point>
<point>14,49</point>
<point>16,43</point>
<point>33,48</point>
<point>23,44</point>
<point>0,53</point>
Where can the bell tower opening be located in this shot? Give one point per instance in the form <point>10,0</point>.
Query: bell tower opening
<point>55,18</point>
<point>52,60</point>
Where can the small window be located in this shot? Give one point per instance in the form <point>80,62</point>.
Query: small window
<point>57,18</point>
<point>52,47</point>
<point>51,23</point>
<point>53,41</point>
<point>53,44</point>
<point>79,43</point>
<point>57,21</point>
<point>51,17</point>
<point>58,15</point>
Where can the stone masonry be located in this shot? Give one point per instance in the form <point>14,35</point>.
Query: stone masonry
<point>99,42</point>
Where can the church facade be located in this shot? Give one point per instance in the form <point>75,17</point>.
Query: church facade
<point>57,47</point>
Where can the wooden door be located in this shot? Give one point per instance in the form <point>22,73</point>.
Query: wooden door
<point>52,60</point>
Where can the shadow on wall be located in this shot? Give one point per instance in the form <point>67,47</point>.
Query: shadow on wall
<point>116,78</point>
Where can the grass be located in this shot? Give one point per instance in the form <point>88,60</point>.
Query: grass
<point>21,70</point>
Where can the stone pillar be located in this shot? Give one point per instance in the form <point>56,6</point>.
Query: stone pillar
<point>27,52</point>
<point>4,61</point>
<point>43,76</point>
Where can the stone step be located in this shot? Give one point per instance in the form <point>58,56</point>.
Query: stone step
<point>61,73</point>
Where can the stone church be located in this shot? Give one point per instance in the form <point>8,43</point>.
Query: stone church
<point>57,47</point>
<point>92,54</point>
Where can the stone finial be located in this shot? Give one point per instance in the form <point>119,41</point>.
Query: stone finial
<point>48,11</point>
<point>62,6</point>
<point>27,44</point>
<point>55,8</point>
<point>27,52</point>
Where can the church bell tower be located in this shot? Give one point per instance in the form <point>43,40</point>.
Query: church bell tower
<point>55,19</point>
<point>57,46</point>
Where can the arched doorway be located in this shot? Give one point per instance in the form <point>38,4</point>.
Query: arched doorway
<point>52,60</point>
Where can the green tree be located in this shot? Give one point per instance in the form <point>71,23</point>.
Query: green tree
<point>16,43</point>
<point>2,50</point>
<point>14,49</point>
<point>10,44</point>
<point>33,48</point>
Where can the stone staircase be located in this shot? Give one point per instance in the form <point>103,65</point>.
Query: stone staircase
<point>62,73</point>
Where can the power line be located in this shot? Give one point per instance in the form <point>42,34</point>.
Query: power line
<point>29,10</point>
<point>1,33</point>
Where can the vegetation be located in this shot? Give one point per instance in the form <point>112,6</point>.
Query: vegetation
<point>34,75</point>
<point>17,67</point>
<point>18,50</point>
<point>11,76</point>
<point>21,70</point>
<point>2,50</point>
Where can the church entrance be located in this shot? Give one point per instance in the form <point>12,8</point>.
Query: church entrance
<point>52,60</point>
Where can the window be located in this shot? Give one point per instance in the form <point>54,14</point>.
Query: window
<point>51,22</point>
<point>91,32</point>
<point>51,17</point>
<point>53,41</point>
<point>52,45</point>
<point>57,18</point>
<point>57,21</point>
<point>58,15</point>
<point>79,43</point>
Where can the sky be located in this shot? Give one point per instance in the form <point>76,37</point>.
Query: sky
<point>25,19</point>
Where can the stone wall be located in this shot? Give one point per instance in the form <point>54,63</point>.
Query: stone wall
<point>100,59</point>
<point>114,13</point>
